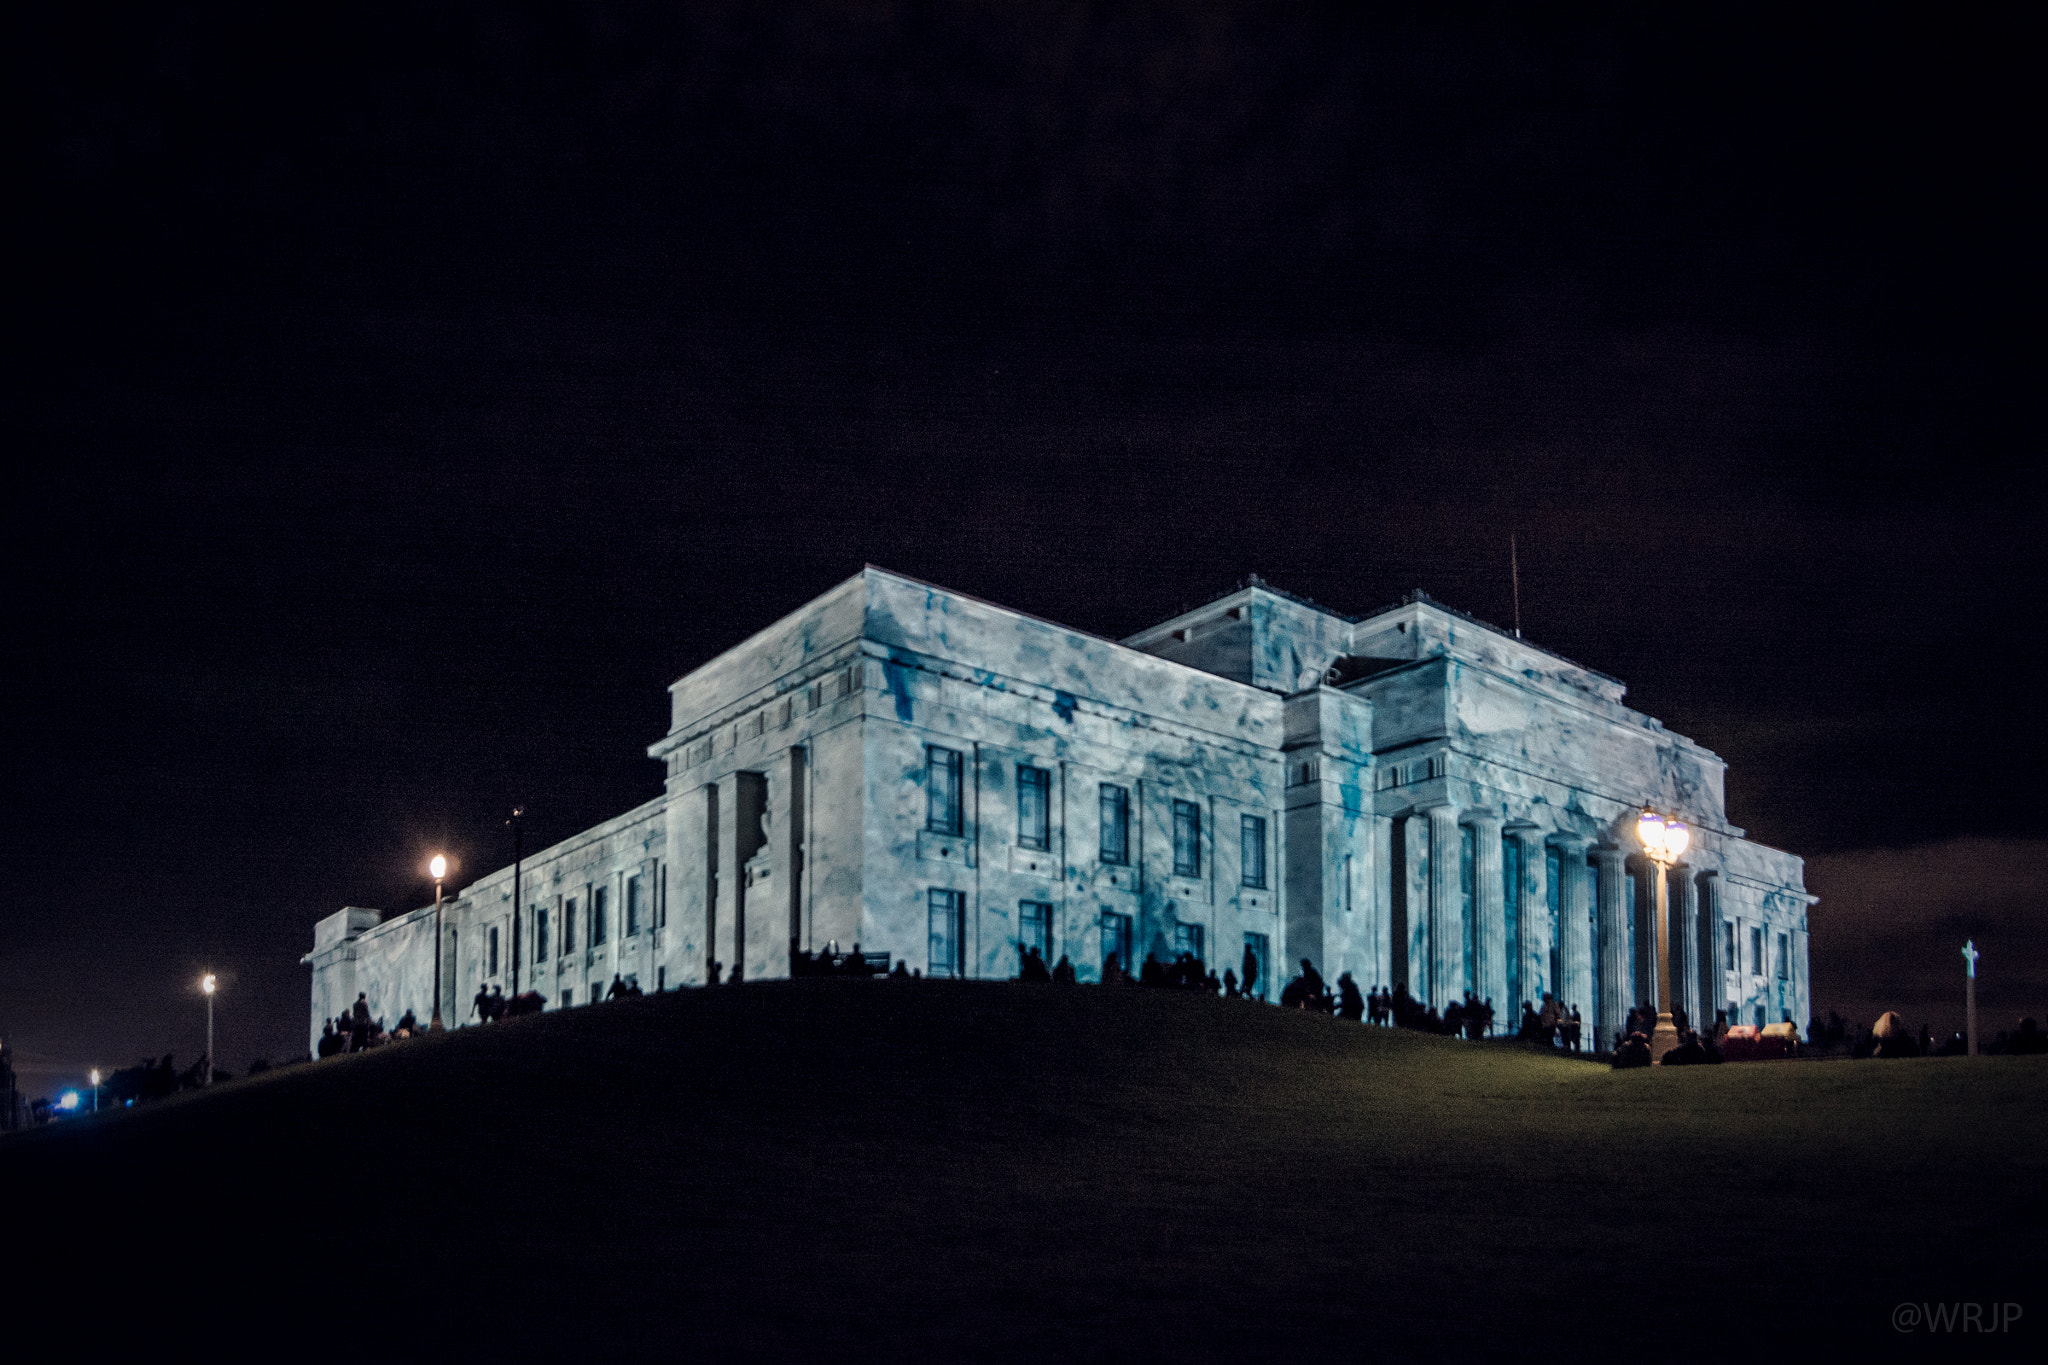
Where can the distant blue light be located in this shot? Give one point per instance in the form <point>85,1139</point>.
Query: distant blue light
<point>68,1100</point>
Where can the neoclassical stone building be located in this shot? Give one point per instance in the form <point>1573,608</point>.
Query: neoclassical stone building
<point>1411,796</point>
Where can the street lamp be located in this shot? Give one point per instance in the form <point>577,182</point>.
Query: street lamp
<point>439,867</point>
<point>207,984</point>
<point>1665,841</point>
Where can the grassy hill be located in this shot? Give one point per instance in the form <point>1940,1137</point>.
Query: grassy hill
<point>973,1170</point>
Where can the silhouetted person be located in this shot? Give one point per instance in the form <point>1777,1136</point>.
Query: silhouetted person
<point>1151,974</point>
<point>1251,970</point>
<point>1112,971</point>
<point>1313,980</point>
<point>481,1006</point>
<point>497,1003</point>
<point>618,987</point>
<point>359,1023</point>
<point>902,971</point>
<point>1574,1029</point>
<point>1063,972</point>
<point>1230,983</point>
<point>1350,1005</point>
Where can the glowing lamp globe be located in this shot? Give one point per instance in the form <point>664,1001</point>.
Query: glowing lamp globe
<point>1650,830</point>
<point>439,867</point>
<point>206,983</point>
<point>1677,838</point>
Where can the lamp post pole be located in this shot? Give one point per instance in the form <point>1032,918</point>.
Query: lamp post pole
<point>1663,840</point>
<point>1970,956</point>
<point>517,811</point>
<point>439,867</point>
<point>95,1090</point>
<point>207,984</point>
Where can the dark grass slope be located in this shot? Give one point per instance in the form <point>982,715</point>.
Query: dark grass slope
<point>987,1170</point>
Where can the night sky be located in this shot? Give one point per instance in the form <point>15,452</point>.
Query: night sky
<point>407,394</point>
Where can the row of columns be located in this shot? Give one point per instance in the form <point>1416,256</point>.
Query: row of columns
<point>1605,963</point>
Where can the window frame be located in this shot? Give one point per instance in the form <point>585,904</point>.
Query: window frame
<point>1251,835</point>
<point>634,899</point>
<point>1187,838</point>
<point>944,765</point>
<point>1037,781</point>
<point>1043,918</point>
<point>942,900</point>
<point>600,903</point>
<point>1120,821</point>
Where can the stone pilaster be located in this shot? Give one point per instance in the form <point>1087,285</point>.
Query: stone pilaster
<point>1489,909</point>
<point>1574,944</point>
<point>1614,977</point>
<point>1415,887</point>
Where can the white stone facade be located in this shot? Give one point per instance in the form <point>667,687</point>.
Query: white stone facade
<point>1410,796</point>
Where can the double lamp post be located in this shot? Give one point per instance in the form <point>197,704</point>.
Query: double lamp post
<point>1665,841</point>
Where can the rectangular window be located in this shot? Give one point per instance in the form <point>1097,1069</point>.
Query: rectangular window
<point>1258,952</point>
<point>1756,952</point>
<point>942,790</point>
<point>1116,939</point>
<point>1116,824</point>
<point>1034,928</point>
<point>568,926</point>
<point>600,903</point>
<point>1034,807</point>
<point>1729,962</point>
<point>1187,839</point>
<point>1784,959</point>
<point>540,934</point>
<point>947,913</point>
<point>660,979</point>
<point>494,950</point>
<point>1252,850</point>
<point>661,909</point>
<point>568,996</point>
<point>632,906</point>
<point>1187,938</point>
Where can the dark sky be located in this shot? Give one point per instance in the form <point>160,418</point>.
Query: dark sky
<point>407,394</point>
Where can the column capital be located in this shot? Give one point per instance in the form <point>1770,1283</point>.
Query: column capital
<point>1568,841</point>
<point>1610,853</point>
<point>1483,815</point>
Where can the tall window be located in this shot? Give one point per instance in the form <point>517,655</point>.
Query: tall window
<point>1116,824</point>
<point>1034,928</point>
<point>1756,952</point>
<point>1729,962</point>
<point>1252,846</point>
<point>632,906</point>
<point>600,906</point>
<point>494,951</point>
<point>942,790</point>
<point>540,934</point>
<point>1034,807</point>
<point>947,912</point>
<point>568,926</point>
<point>1784,959</point>
<point>1187,839</point>
<point>1258,954</point>
<point>1116,938</point>
<point>1187,938</point>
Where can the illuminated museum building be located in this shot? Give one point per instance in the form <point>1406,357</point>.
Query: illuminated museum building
<point>1410,796</point>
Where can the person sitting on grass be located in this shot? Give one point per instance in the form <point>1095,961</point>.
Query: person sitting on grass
<point>1063,972</point>
<point>1032,968</point>
<point>902,972</point>
<point>1230,983</point>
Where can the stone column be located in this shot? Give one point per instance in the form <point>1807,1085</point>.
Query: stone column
<point>1614,977</point>
<point>1489,909</point>
<point>1685,944</point>
<point>1712,988</point>
<point>1574,946</point>
<point>1416,881</point>
<point>1446,920</point>
<point>1534,931</point>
